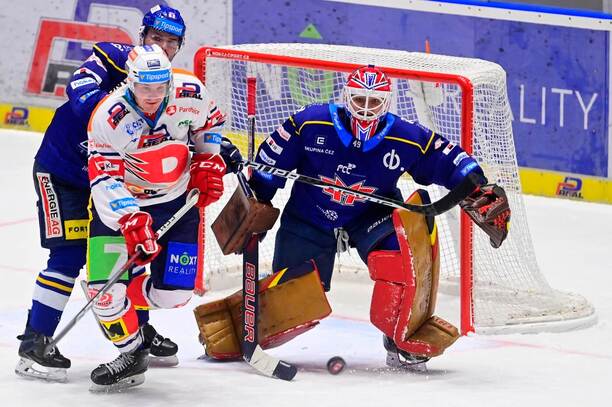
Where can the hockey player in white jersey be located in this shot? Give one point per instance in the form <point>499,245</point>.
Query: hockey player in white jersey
<point>140,169</point>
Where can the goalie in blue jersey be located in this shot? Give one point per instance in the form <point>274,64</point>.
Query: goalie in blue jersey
<point>62,186</point>
<point>362,146</point>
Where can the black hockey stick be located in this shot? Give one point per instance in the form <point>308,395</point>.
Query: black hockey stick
<point>192,199</point>
<point>252,352</point>
<point>447,202</point>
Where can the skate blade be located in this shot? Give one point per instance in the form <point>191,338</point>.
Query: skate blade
<point>163,361</point>
<point>31,370</point>
<point>121,385</point>
<point>393,361</point>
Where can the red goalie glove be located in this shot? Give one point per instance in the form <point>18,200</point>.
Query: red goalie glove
<point>139,235</point>
<point>207,171</point>
<point>488,207</point>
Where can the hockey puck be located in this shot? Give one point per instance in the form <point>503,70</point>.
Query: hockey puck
<point>335,365</point>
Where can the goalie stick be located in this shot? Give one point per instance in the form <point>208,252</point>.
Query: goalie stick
<point>447,202</point>
<point>252,352</point>
<point>192,199</point>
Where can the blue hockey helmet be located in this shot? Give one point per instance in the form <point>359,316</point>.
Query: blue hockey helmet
<point>163,18</point>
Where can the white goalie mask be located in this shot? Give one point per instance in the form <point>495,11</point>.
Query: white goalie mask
<point>367,97</point>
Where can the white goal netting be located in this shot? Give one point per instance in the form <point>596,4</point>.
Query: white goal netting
<point>502,290</point>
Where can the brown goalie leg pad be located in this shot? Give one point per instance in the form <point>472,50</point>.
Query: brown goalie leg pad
<point>431,339</point>
<point>217,332</point>
<point>287,309</point>
<point>239,219</point>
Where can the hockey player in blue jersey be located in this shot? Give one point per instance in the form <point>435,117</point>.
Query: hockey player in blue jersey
<point>363,147</point>
<point>62,186</point>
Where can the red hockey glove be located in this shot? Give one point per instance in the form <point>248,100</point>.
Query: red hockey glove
<point>488,207</point>
<point>139,236</point>
<point>207,171</point>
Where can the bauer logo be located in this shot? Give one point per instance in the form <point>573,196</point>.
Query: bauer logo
<point>17,117</point>
<point>62,45</point>
<point>181,265</point>
<point>571,187</point>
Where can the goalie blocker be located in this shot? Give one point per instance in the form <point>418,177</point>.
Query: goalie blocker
<point>293,300</point>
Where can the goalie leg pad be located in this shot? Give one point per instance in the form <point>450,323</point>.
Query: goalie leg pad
<point>292,302</point>
<point>406,284</point>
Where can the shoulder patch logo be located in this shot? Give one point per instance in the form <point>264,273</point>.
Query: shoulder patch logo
<point>449,147</point>
<point>285,135</point>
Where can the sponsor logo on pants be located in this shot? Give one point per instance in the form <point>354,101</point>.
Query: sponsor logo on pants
<point>50,206</point>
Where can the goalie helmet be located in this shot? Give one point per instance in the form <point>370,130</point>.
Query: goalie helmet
<point>163,18</point>
<point>148,64</point>
<point>367,97</point>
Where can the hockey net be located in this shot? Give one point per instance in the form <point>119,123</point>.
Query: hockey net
<point>501,290</point>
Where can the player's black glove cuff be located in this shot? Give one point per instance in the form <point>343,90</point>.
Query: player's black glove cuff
<point>488,207</point>
<point>231,155</point>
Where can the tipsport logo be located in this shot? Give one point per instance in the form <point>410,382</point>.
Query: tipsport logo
<point>62,45</point>
<point>571,187</point>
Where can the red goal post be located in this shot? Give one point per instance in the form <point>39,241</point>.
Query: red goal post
<point>478,115</point>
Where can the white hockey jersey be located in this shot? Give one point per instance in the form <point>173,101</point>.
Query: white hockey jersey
<point>135,161</point>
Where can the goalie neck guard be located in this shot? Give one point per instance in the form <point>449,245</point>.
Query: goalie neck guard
<point>367,97</point>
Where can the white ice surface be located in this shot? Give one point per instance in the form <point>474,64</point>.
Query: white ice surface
<point>573,243</point>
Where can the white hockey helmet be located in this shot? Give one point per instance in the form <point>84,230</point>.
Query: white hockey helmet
<point>148,64</point>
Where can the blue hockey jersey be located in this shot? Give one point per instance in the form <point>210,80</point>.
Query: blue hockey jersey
<point>63,151</point>
<point>316,142</point>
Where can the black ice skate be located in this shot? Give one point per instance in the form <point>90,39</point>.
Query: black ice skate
<point>162,350</point>
<point>35,363</point>
<point>401,359</point>
<point>124,372</point>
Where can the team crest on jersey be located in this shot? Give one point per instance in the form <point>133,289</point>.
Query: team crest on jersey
<point>188,90</point>
<point>343,197</point>
<point>162,164</point>
<point>116,112</point>
<point>155,137</point>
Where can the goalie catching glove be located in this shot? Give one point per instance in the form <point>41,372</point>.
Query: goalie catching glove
<point>488,207</point>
